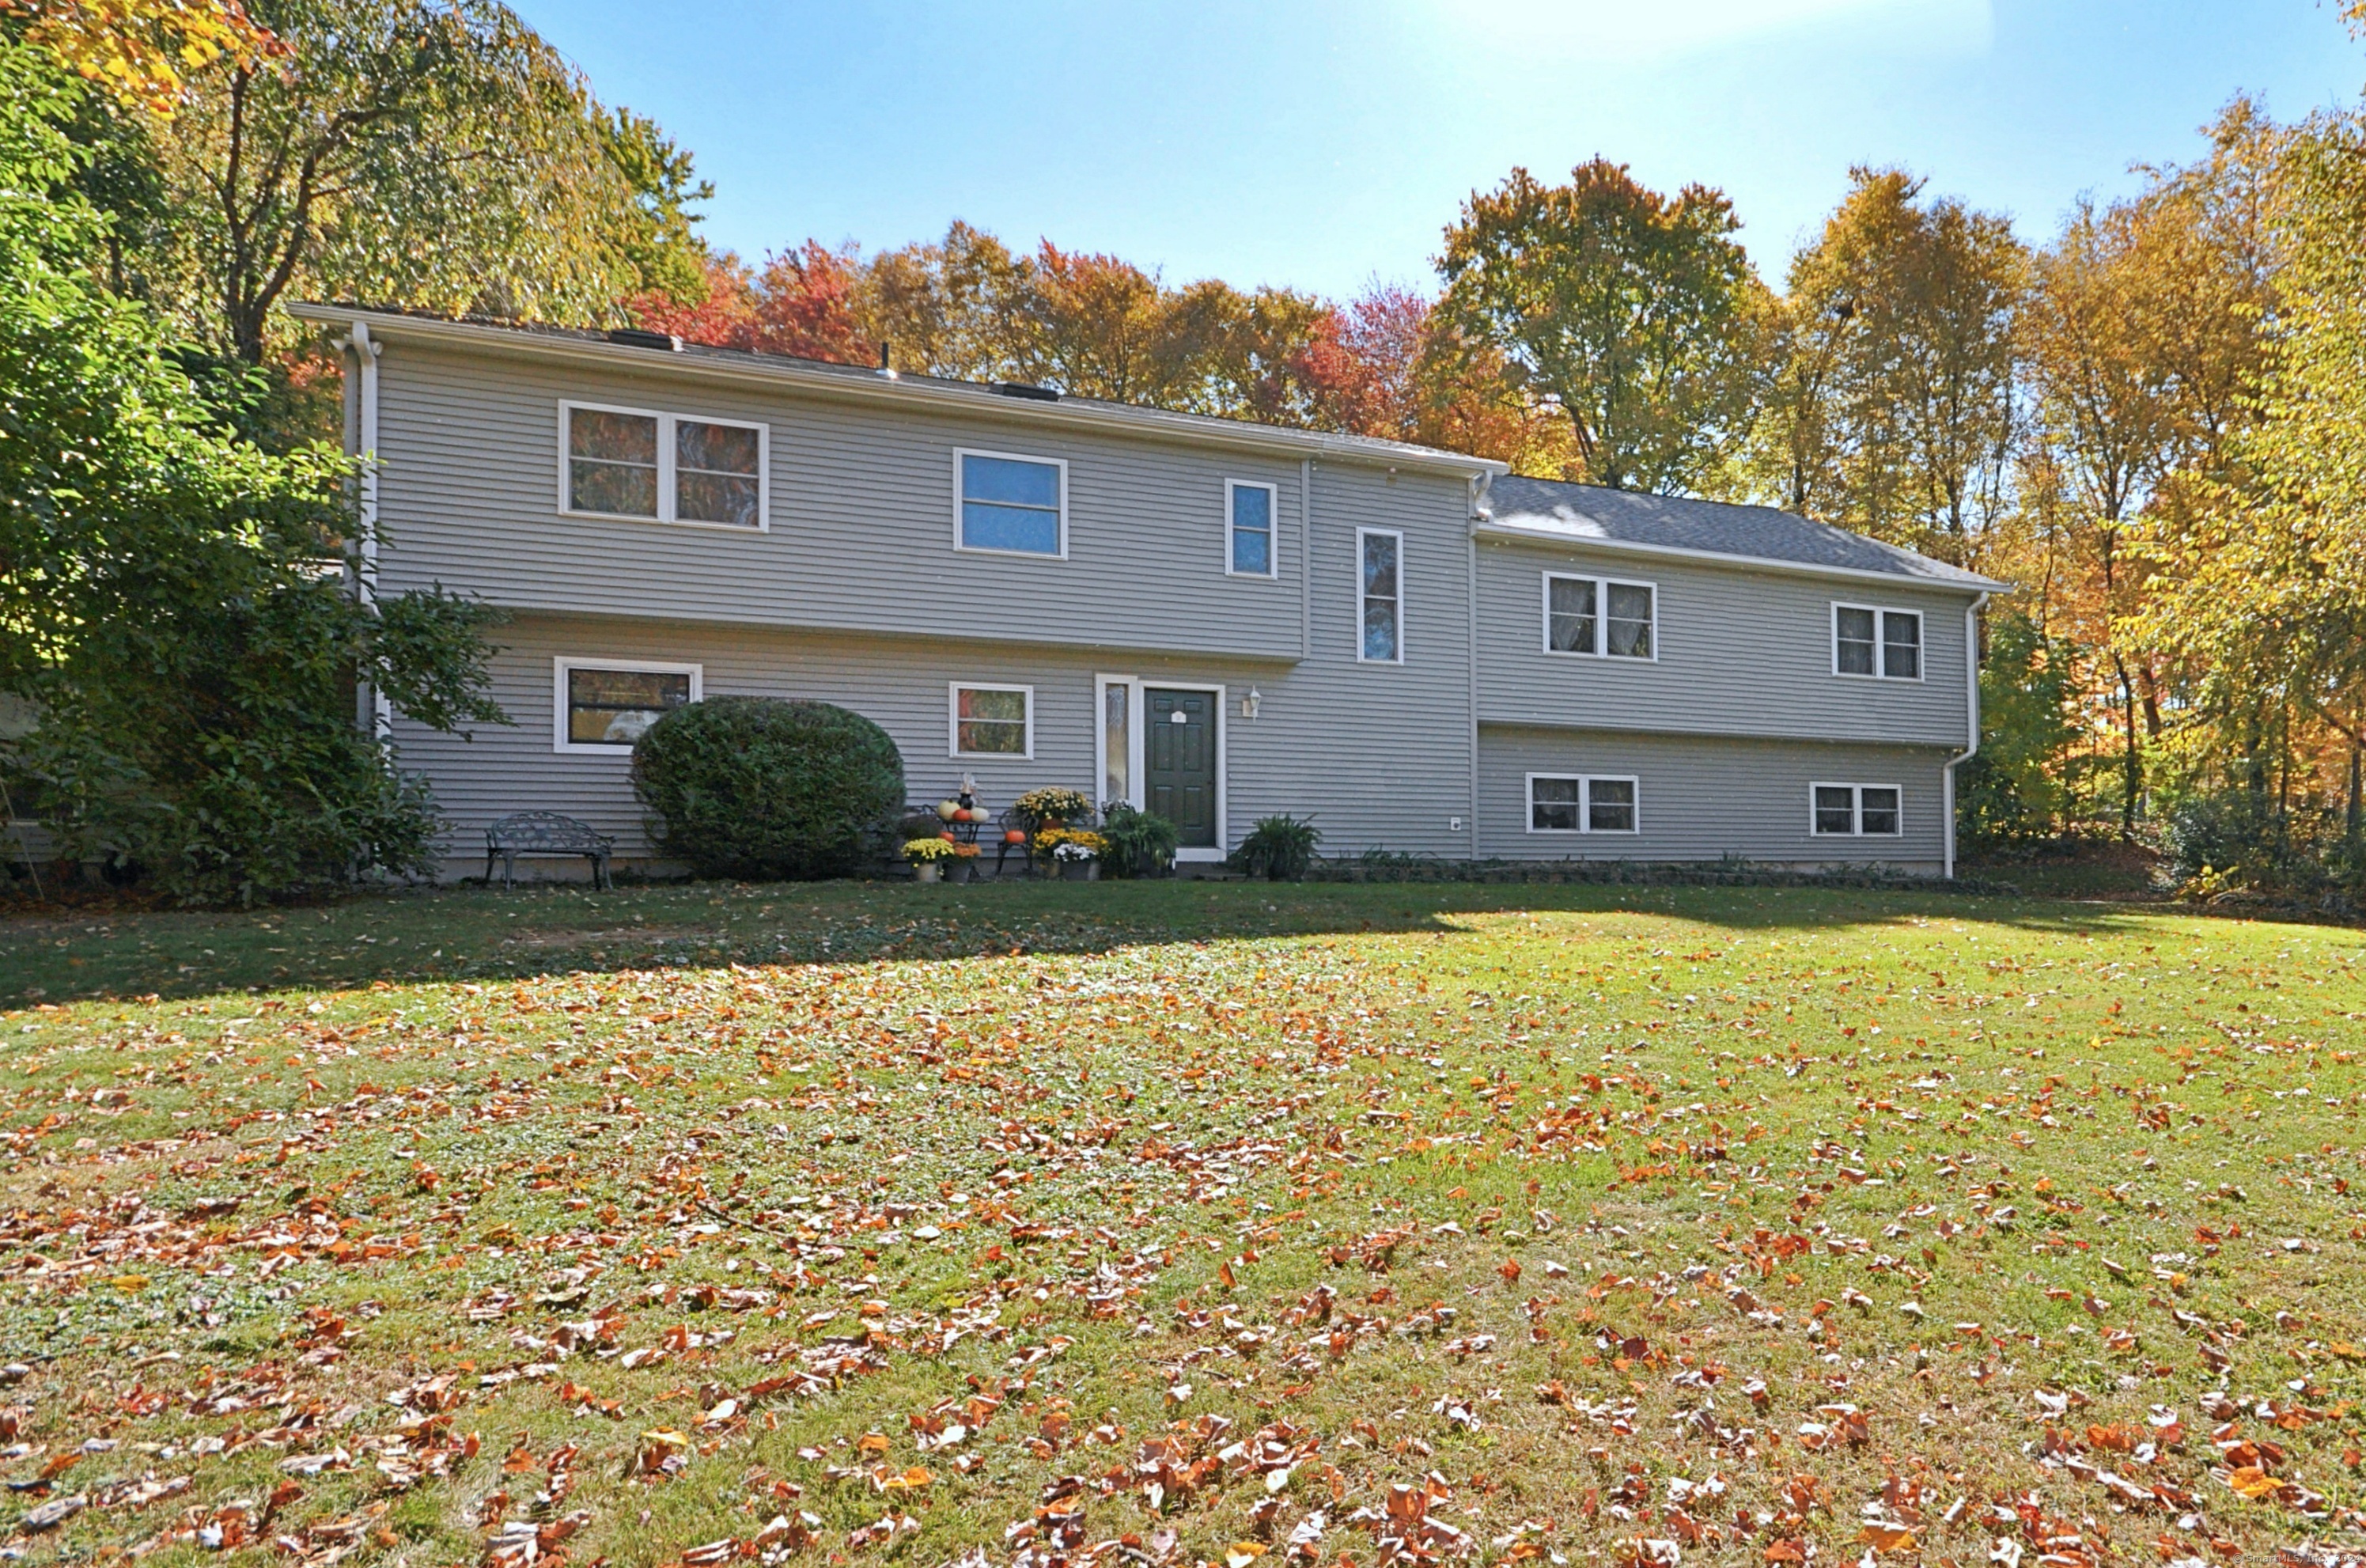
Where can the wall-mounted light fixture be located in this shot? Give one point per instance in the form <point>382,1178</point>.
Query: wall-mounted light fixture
<point>1251,701</point>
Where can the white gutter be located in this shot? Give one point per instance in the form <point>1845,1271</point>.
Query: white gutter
<point>1972,741</point>
<point>366,352</point>
<point>867,386</point>
<point>1498,529</point>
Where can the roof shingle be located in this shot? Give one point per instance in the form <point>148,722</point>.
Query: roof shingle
<point>1591,513</point>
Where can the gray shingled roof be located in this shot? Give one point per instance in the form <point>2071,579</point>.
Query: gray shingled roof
<point>1582,512</point>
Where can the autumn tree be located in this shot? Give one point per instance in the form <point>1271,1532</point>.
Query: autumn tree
<point>165,618</point>
<point>1631,311</point>
<point>2260,591</point>
<point>2140,339</point>
<point>409,153</point>
<point>143,52</point>
<point>1891,408</point>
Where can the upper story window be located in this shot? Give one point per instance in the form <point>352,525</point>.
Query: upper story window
<point>1876,642</point>
<point>1248,529</point>
<point>662,466</point>
<point>1013,505</point>
<point>1380,596</point>
<point>605,705</point>
<point>1600,617</point>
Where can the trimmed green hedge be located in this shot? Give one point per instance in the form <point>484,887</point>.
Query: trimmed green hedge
<point>761,788</point>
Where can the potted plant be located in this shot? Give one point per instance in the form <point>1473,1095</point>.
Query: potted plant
<point>927,857</point>
<point>1054,806</point>
<point>1076,851</point>
<point>964,861</point>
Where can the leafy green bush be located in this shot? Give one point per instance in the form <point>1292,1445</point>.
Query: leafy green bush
<point>1279,849</point>
<point>761,788</point>
<point>1141,843</point>
<point>2239,839</point>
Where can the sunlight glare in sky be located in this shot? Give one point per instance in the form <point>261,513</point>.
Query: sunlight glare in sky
<point>1633,30</point>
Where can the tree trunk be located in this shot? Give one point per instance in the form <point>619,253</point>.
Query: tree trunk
<point>2353,825</point>
<point>2132,761</point>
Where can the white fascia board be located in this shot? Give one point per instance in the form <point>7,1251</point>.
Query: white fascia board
<point>871,387</point>
<point>1515,534</point>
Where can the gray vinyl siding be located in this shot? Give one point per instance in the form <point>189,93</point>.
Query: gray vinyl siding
<point>861,517</point>
<point>1351,744</point>
<point>856,594</point>
<point>1701,797</point>
<point>1741,653</point>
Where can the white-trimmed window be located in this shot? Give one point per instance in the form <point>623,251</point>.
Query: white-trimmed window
<point>1600,617</point>
<point>1841,811</point>
<point>1583,803</point>
<point>991,721</point>
<point>1379,596</point>
<point>603,705</point>
<point>662,468</point>
<point>1872,642</point>
<point>1008,505</point>
<point>1249,512</point>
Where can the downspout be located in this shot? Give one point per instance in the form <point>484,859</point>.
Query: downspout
<point>1306,557</point>
<point>1972,741</point>
<point>1479,514</point>
<point>366,352</point>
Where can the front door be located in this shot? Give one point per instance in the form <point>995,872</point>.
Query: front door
<point>1180,759</point>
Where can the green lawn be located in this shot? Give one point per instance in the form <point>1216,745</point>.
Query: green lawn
<point>1183,1223</point>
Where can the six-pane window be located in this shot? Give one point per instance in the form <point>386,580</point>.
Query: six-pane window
<point>1857,810</point>
<point>607,705</point>
<point>668,468</point>
<point>1887,643</point>
<point>1581,803</point>
<point>1013,505</point>
<point>1251,527</point>
<point>1598,616</point>
<point>993,721</point>
<point>1382,596</point>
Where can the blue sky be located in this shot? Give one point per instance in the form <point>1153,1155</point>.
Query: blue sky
<point>1321,146</point>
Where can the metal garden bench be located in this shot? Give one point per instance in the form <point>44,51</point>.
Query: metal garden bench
<point>545,833</point>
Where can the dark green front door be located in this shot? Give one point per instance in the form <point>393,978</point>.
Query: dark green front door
<point>1180,752</point>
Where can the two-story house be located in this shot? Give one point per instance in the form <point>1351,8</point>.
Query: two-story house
<point>1215,619</point>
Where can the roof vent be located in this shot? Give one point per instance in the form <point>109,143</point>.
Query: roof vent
<point>633,337</point>
<point>1022,389</point>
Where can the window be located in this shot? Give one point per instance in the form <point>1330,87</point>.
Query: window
<point>1901,645</point>
<point>1382,596</point>
<point>1581,804</point>
<point>1855,810</point>
<point>1597,616</point>
<point>1250,509</point>
<point>993,721</point>
<point>604,706</point>
<point>1014,505</point>
<point>1885,643</point>
<point>714,472</point>
<point>666,467</point>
